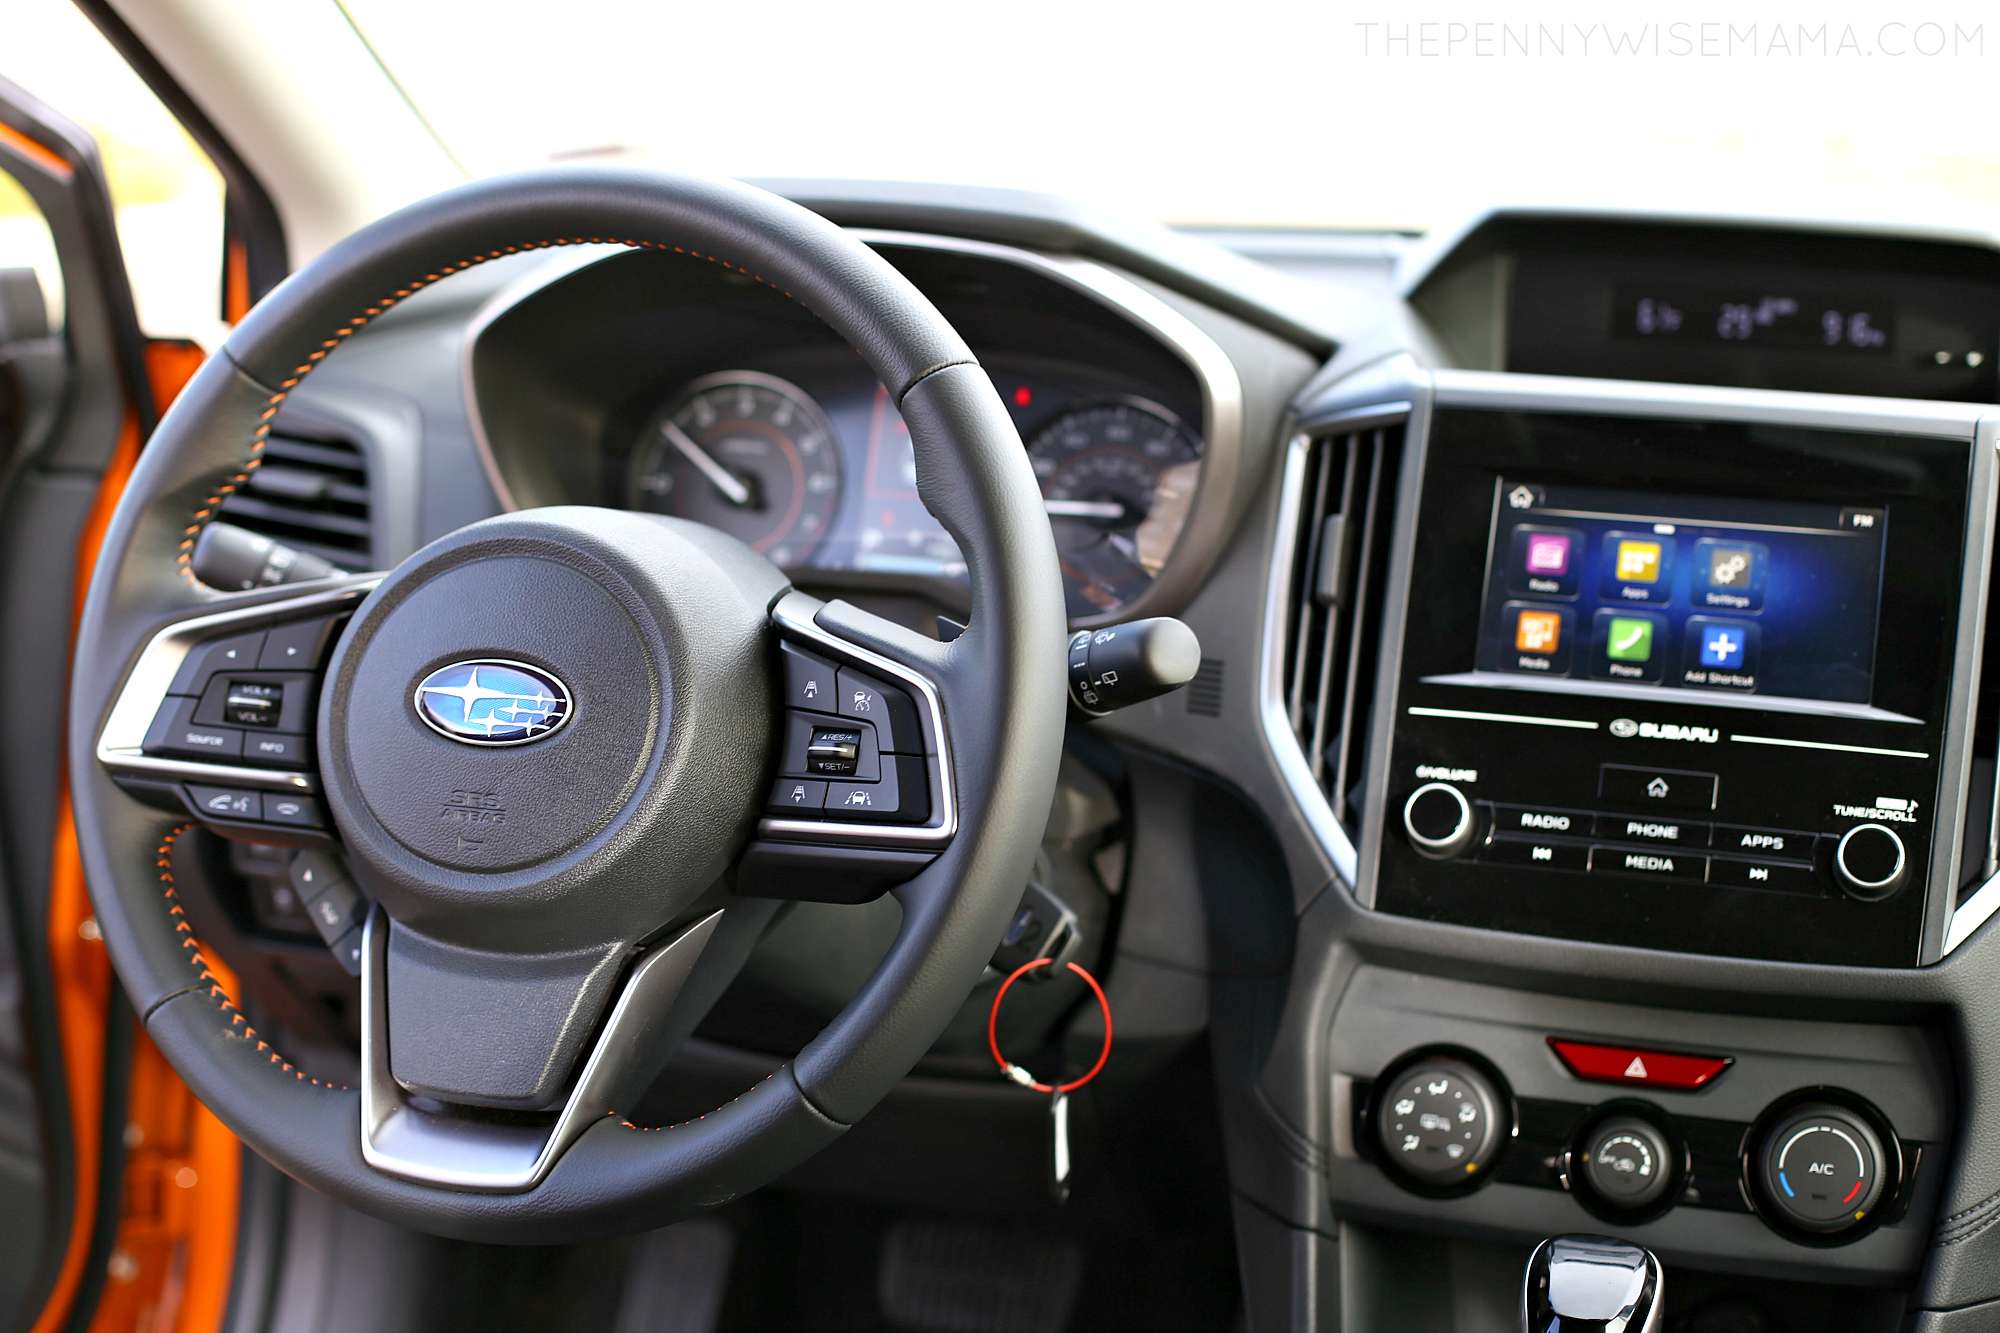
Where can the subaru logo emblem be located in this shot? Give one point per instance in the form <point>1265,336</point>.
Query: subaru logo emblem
<point>492,702</point>
<point>1624,726</point>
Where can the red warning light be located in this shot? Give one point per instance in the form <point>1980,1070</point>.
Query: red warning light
<point>1022,397</point>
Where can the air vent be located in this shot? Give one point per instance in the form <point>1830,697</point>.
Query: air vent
<point>1347,508</point>
<point>1204,692</point>
<point>1979,857</point>
<point>312,495</point>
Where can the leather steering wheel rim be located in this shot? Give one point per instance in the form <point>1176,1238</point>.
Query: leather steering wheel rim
<point>1000,682</point>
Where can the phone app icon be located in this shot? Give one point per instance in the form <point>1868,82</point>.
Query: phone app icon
<point>1535,639</point>
<point>1629,639</point>
<point>1638,562</point>
<point>1538,632</point>
<point>1637,567</point>
<point>1729,574</point>
<point>1721,654</point>
<point>1545,562</point>
<point>1628,646</point>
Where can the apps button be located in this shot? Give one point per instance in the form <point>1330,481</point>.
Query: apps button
<point>1729,575</point>
<point>1545,562</point>
<point>1536,639</point>
<point>1720,654</point>
<point>1628,645</point>
<point>1638,568</point>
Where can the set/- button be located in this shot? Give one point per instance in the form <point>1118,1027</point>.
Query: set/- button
<point>1659,831</point>
<point>1652,863</point>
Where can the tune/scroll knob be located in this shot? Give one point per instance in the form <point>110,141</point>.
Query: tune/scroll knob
<point>1439,821</point>
<point>1869,861</point>
<point>1822,1168</point>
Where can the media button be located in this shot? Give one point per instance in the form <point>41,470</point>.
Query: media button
<point>1529,852</point>
<point>1656,788</point>
<point>1652,864</point>
<point>1775,843</point>
<point>1769,875</point>
<point>1537,821</point>
<point>1653,829</point>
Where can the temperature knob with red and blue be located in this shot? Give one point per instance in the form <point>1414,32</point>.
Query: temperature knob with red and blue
<point>1822,1168</point>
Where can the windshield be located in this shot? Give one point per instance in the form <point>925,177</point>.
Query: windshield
<point>1253,113</point>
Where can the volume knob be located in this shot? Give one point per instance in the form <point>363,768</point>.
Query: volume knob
<point>1439,821</point>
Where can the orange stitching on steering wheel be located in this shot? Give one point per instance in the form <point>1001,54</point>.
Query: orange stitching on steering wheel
<point>200,965</point>
<point>184,559</point>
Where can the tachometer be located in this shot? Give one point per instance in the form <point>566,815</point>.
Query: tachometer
<point>1118,479</point>
<point>745,452</point>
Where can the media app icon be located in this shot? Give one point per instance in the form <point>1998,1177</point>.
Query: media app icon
<point>1538,632</point>
<point>1536,639</point>
<point>1638,567</point>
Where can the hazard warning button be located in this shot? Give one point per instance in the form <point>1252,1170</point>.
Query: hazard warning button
<point>1639,1068</point>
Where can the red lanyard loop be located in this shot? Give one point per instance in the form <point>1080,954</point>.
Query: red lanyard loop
<point>1014,1071</point>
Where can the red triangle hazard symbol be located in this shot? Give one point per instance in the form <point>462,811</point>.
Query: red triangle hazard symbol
<point>1637,1069</point>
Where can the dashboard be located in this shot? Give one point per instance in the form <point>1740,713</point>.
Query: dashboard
<point>1594,750</point>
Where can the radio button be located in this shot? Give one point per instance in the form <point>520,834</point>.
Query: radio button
<point>1776,843</point>
<point>1769,875</point>
<point>1656,788</point>
<point>1540,821</point>
<point>1650,863</point>
<point>1660,832</point>
<point>1543,855</point>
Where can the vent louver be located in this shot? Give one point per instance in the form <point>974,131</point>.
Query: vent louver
<point>1339,567</point>
<point>311,495</point>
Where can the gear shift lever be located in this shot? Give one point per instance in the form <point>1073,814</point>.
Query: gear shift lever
<point>1591,1284</point>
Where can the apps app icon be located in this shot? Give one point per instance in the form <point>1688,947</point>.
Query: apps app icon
<point>1729,574</point>
<point>1545,562</point>
<point>1722,646</point>
<point>1638,562</point>
<point>1538,632</point>
<point>1637,567</point>
<point>1629,639</point>
<point>1628,646</point>
<point>1548,553</point>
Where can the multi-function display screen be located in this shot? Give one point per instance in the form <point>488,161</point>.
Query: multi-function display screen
<point>1675,592</point>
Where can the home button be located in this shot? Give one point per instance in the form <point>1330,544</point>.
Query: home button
<point>1656,788</point>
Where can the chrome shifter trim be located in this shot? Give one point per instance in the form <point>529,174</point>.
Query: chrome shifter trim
<point>397,1139</point>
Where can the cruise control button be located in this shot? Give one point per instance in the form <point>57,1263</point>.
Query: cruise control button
<point>1535,819</point>
<point>1631,1064</point>
<point>238,653</point>
<point>175,732</point>
<point>899,797</point>
<point>810,681</point>
<point>1764,875</point>
<point>1528,852</point>
<point>1776,843</point>
<point>1663,832</point>
<point>227,802</point>
<point>892,712</point>
<point>298,811</point>
<point>1655,864</point>
<point>1662,788</point>
<point>797,796</point>
<point>816,747</point>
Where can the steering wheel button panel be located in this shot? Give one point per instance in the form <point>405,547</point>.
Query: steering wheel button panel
<point>1639,1067</point>
<point>299,646</point>
<point>175,732</point>
<point>238,652</point>
<point>810,682</point>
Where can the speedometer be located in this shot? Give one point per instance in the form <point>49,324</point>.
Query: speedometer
<point>745,452</point>
<point>1117,479</point>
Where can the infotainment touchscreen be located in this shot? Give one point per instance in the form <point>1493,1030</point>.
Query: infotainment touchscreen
<point>1656,592</point>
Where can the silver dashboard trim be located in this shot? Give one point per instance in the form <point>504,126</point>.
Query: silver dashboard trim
<point>795,617</point>
<point>120,745</point>
<point>398,1139</point>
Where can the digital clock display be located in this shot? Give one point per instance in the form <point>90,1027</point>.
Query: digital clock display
<point>1795,321</point>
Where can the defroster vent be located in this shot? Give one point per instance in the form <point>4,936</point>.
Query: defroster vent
<point>311,495</point>
<point>1339,568</point>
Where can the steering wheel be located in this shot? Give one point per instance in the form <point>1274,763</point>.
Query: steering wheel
<point>544,749</point>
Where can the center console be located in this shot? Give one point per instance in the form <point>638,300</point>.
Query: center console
<point>1683,683</point>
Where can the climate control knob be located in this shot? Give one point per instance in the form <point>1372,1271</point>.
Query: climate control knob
<point>1821,1168</point>
<point>1627,1162</point>
<point>1439,1122</point>
<point>1869,861</point>
<point>1439,821</point>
